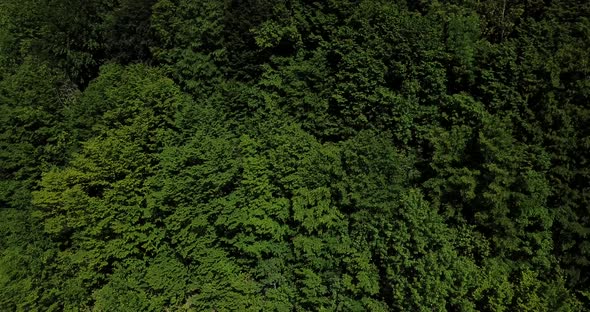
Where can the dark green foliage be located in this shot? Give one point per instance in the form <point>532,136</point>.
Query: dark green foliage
<point>76,36</point>
<point>127,31</point>
<point>33,138</point>
<point>220,155</point>
<point>32,133</point>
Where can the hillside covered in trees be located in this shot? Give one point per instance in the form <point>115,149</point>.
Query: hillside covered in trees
<point>294,155</point>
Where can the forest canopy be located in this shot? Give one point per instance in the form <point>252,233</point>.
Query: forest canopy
<point>294,155</point>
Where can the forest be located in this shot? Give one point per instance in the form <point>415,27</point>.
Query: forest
<point>294,155</point>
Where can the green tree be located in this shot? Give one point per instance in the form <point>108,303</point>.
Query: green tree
<point>96,208</point>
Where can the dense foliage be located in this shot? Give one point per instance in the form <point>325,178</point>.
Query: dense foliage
<point>294,155</point>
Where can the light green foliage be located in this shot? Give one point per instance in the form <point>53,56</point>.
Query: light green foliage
<point>96,206</point>
<point>137,285</point>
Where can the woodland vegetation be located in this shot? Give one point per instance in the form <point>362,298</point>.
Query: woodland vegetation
<point>294,155</point>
